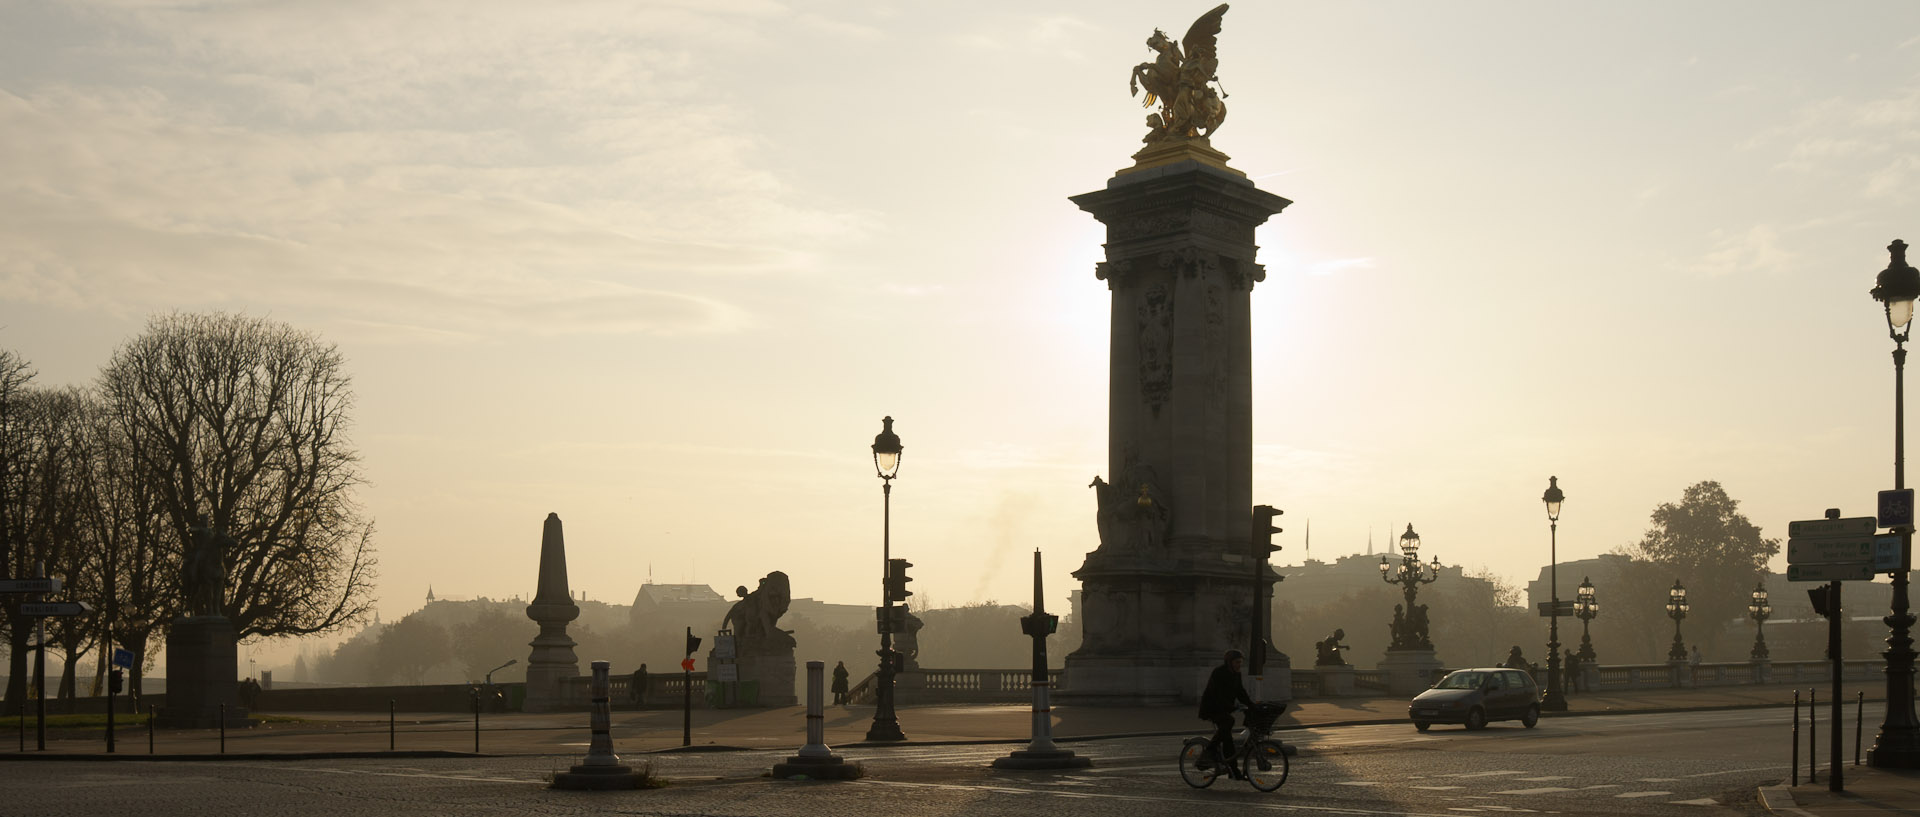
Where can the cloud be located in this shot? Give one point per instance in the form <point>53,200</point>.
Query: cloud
<point>1755,249</point>
<point>443,172</point>
<point>1336,266</point>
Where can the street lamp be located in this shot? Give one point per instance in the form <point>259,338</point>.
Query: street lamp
<point>1898,745</point>
<point>1587,609</point>
<point>1677,610</point>
<point>1554,700</point>
<point>1759,610</point>
<point>1411,634</point>
<point>886,463</point>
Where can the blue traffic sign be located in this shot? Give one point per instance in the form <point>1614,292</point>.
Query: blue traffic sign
<point>123,658</point>
<point>1896,508</point>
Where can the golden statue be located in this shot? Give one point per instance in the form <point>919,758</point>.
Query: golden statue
<point>1182,80</point>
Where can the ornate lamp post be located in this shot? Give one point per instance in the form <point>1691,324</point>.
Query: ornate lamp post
<point>1586,609</point>
<point>1759,610</point>
<point>1677,610</point>
<point>1410,574</point>
<point>1898,744</point>
<point>886,462</point>
<point>1555,699</point>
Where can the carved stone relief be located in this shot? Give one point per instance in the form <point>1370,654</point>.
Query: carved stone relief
<point>1155,337</point>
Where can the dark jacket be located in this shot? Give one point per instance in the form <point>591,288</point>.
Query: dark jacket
<point>1223,688</point>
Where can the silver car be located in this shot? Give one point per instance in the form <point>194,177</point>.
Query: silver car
<point>1476,696</point>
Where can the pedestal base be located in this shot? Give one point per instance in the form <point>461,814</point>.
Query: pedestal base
<point>830,767</point>
<point>201,677</point>
<point>1336,680</point>
<point>774,673</point>
<point>597,778</point>
<point>1409,671</point>
<point>1023,760</point>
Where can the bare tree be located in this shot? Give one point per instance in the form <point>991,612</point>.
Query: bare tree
<point>139,572</point>
<point>238,425</point>
<point>18,555</point>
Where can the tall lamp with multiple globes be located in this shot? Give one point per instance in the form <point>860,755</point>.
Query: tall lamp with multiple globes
<point>1898,744</point>
<point>1586,608</point>
<point>1758,609</point>
<point>1555,700</point>
<point>886,461</point>
<point>1677,610</point>
<point>1409,574</point>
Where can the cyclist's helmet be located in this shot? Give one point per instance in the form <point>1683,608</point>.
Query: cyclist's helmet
<point>1235,655</point>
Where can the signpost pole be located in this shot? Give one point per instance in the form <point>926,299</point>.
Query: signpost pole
<point>40,673</point>
<point>1833,652</point>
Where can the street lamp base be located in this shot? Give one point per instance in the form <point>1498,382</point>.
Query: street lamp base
<point>1895,749</point>
<point>888,729</point>
<point>1553,702</point>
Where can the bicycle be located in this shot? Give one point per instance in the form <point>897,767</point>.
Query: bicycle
<point>1261,759</point>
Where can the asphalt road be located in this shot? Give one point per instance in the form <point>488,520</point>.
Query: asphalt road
<point>1693,763</point>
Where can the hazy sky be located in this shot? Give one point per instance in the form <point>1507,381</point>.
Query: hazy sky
<point>661,268</point>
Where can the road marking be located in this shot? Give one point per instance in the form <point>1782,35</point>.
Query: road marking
<point>1659,779</point>
<point>1643,794</point>
<point>1544,779</point>
<point>1356,783</point>
<point>1484,774</point>
<point>1436,788</point>
<point>1601,786</point>
<point>1704,801</point>
<point>1542,790</point>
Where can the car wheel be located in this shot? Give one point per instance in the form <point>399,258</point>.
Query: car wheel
<point>1421,725</point>
<point>1476,720</point>
<point>1532,717</point>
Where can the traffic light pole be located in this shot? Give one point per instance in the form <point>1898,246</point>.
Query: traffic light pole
<point>1262,554</point>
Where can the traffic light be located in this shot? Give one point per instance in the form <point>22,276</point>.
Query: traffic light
<point>896,582</point>
<point>890,619</point>
<point>1822,603</point>
<point>693,642</point>
<point>1040,624</point>
<point>1263,531</point>
<point>115,682</point>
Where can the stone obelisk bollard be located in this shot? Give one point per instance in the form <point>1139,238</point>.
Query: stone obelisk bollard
<point>602,768</point>
<point>1041,753</point>
<point>815,761</point>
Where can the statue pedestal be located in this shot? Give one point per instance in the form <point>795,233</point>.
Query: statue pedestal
<point>1680,673</point>
<point>772,666</point>
<point>1762,671</point>
<point>1409,671</point>
<point>1336,680</point>
<point>202,675</point>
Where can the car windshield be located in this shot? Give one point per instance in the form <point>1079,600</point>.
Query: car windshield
<point>1462,680</point>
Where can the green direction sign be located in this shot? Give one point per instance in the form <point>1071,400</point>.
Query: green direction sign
<point>54,608</point>
<point>51,584</point>
<point>1843,572</point>
<point>1829,528</point>
<point>1829,551</point>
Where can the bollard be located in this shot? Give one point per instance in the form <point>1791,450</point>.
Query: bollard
<point>1813,735</point>
<point>1859,707</point>
<point>602,769</point>
<point>150,728</point>
<point>389,724</point>
<point>815,760</point>
<point>1793,765</point>
<point>476,721</point>
<point>223,729</point>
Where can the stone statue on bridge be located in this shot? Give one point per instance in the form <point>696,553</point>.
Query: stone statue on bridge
<point>1329,650</point>
<point>203,572</point>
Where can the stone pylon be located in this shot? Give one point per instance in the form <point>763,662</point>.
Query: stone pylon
<point>552,658</point>
<point>1168,589</point>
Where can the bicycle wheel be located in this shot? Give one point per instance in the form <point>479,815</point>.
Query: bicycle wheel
<point>1191,755</point>
<point>1267,765</point>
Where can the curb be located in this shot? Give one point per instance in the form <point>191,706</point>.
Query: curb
<point>1779,800</point>
<point>424,754</point>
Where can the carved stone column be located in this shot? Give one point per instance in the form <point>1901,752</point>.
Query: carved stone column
<point>552,658</point>
<point>1166,593</point>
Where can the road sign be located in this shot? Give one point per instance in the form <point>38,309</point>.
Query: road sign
<point>1549,609</point>
<point>123,657</point>
<point>1844,572</point>
<point>50,584</point>
<point>1896,508</point>
<point>54,608</point>
<point>723,647</point>
<point>1829,528</point>
<point>1886,553</point>
<point>725,672</point>
<point>686,664</point>
<point>1830,551</point>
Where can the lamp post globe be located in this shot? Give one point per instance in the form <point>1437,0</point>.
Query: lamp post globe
<point>1586,606</point>
<point>1677,610</point>
<point>886,463</point>
<point>1555,699</point>
<point>1898,744</point>
<point>1759,609</point>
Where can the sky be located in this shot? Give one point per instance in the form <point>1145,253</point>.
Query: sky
<point>662,267</point>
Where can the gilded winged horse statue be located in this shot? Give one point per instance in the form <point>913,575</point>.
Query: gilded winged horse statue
<point>1182,80</point>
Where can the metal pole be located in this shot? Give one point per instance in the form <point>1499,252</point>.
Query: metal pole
<point>390,724</point>
<point>476,723</point>
<point>40,671</point>
<point>149,728</point>
<point>1555,700</point>
<point>886,724</point>
<point>1898,745</point>
<point>686,703</point>
<point>1859,715</point>
<point>1793,765</point>
<point>1813,734</point>
<point>111,696</point>
<point>223,729</point>
<point>1839,725</point>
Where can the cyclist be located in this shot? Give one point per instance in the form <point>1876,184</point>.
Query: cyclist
<point>1224,689</point>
